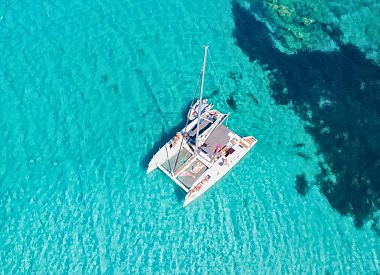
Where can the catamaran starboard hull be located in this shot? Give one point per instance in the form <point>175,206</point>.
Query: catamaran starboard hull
<point>221,167</point>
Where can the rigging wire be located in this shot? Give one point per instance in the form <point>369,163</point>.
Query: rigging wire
<point>187,121</point>
<point>167,157</point>
<point>217,78</point>
<point>192,103</point>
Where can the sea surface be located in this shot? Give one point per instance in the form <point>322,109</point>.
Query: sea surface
<point>89,90</point>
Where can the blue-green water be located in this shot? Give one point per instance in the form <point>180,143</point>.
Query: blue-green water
<point>88,89</point>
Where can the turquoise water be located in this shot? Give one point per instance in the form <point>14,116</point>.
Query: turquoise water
<point>87,91</point>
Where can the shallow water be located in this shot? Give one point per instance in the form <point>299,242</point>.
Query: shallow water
<point>89,91</point>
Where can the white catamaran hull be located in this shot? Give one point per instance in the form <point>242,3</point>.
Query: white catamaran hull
<point>159,158</point>
<point>204,151</point>
<point>168,150</point>
<point>217,171</point>
<point>165,153</point>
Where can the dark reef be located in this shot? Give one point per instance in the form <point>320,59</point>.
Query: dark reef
<point>338,92</point>
<point>298,145</point>
<point>302,185</point>
<point>303,155</point>
<point>231,102</point>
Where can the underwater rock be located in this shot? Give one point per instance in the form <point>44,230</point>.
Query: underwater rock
<point>282,10</point>
<point>235,76</point>
<point>231,102</point>
<point>254,99</point>
<point>302,185</point>
<point>349,137</point>
<point>299,145</point>
<point>302,155</point>
<point>298,25</point>
<point>215,92</point>
<point>232,75</point>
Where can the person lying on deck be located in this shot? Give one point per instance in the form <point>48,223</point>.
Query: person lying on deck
<point>187,174</point>
<point>206,178</point>
<point>197,168</point>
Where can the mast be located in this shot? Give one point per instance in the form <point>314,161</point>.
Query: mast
<point>200,97</point>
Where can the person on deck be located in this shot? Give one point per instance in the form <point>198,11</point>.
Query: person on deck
<point>175,139</point>
<point>217,148</point>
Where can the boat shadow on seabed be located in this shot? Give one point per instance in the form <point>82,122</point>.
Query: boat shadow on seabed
<point>167,134</point>
<point>342,91</point>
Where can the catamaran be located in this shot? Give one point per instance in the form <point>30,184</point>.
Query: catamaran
<point>204,150</point>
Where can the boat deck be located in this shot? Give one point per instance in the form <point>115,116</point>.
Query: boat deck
<point>218,138</point>
<point>184,156</point>
<point>192,173</point>
<point>219,149</point>
<point>190,168</point>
